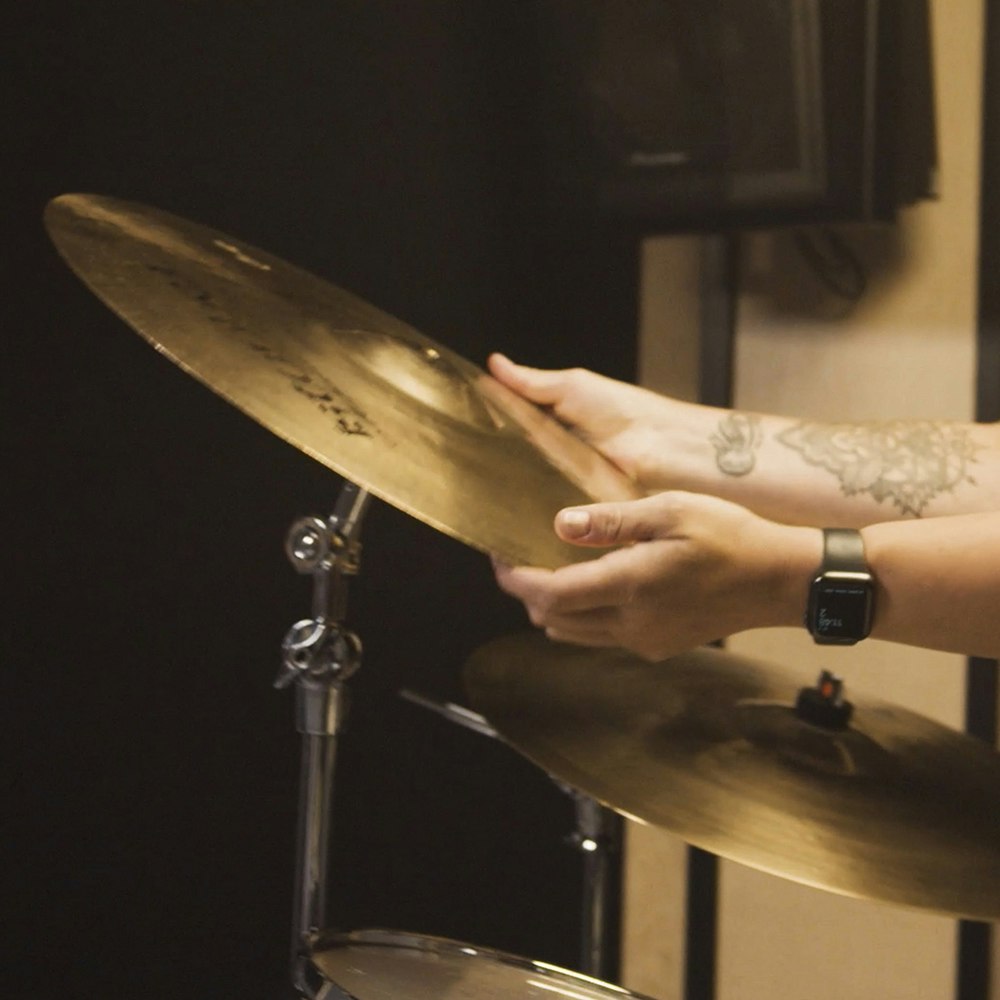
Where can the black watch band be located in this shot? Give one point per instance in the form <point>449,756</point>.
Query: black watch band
<point>842,594</point>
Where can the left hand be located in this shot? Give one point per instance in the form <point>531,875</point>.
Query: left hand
<point>691,569</point>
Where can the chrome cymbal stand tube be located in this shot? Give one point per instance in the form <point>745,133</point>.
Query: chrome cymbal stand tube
<point>318,656</point>
<point>596,839</point>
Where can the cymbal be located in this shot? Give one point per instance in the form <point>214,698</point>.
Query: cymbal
<point>893,807</point>
<point>381,404</point>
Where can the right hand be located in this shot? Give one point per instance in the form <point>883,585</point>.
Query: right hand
<point>623,422</point>
<point>687,569</point>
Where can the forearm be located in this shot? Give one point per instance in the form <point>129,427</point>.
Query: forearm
<point>938,582</point>
<point>849,474</point>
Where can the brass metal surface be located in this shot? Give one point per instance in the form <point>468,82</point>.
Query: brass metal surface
<point>404,417</point>
<point>707,745</point>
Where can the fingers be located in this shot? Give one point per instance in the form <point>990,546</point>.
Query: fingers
<point>546,388</point>
<point>548,593</point>
<point>569,611</point>
<point>604,640</point>
<point>590,628</point>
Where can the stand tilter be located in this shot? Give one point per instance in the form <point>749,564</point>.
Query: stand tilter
<point>319,655</point>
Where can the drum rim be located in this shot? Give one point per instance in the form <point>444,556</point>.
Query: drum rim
<point>388,938</point>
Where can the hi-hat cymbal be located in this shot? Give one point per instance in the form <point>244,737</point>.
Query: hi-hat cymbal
<point>398,414</point>
<point>709,746</point>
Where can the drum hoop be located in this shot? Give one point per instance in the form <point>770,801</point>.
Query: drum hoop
<point>385,938</point>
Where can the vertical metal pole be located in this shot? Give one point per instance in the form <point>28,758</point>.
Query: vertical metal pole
<point>318,710</point>
<point>319,655</point>
<point>597,836</point>
<point>975,939</point>
<point>718,298</point>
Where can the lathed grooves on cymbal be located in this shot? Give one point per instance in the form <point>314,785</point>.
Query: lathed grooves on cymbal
<point>707,745</point>
<point>368,396</point>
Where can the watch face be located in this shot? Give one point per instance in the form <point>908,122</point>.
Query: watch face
<point>841,609</point>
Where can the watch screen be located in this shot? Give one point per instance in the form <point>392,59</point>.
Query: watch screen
<point>841,610</point>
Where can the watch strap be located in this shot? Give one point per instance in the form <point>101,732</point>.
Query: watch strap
<point>843,551</point>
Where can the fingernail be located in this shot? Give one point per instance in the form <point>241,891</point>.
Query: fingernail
<point>575,522</point>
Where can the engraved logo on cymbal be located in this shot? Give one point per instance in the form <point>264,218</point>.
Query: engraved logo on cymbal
<point>349,419</point>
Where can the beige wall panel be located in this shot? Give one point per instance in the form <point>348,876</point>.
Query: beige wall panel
<point>906,349</point>
<point>669,278</point>
<point>786,941</point>
<point>655,864</point>
<point>654,891</point>
<point>873,365</point>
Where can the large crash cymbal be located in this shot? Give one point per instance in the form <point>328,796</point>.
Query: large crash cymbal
<point>709,746</point>
<point>365,394</point>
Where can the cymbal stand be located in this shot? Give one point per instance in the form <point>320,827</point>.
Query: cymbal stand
<point>595,837</point>
<point>318,656</point>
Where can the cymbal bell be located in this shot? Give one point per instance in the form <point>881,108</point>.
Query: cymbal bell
<point>709,746</point>
<point>401,416</point>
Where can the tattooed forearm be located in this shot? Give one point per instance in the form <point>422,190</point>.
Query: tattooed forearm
<point>907,463</point>
<point>736,441</point>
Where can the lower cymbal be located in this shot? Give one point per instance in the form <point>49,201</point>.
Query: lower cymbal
<point>708,745</point>
<point>378,402</point>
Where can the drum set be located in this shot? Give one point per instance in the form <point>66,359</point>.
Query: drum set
<point>863,799</point>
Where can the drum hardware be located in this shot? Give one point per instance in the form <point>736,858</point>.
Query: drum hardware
<point>401,418</point>
<point>318,656</point>
<point>390,964</point>
<point>458,714</point>
<point>595,837</point>
<point>824,704</point>
<point>735,757</point>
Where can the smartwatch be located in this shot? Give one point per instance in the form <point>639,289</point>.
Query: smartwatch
<point>842,594</point>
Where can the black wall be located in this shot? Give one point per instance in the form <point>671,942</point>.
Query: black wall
<point>149,768</point>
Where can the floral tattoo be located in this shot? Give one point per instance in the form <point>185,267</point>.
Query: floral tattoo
<point>736,441</point>
<point>907,463</point>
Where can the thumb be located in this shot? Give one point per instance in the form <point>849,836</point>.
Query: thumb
<point>616,523</point>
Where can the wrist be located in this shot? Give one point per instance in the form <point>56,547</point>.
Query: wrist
<point>787,556</point>
<point>800,558</point>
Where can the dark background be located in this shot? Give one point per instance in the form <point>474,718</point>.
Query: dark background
<point>150,770</point>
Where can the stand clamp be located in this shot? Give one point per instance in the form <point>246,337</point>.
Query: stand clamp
<point>318,655</point>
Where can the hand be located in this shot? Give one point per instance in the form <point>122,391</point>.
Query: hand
<point>692,569</point>
<point>625,423</point>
